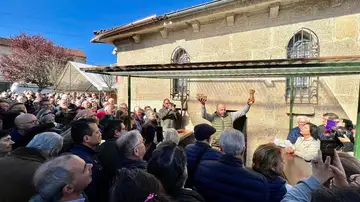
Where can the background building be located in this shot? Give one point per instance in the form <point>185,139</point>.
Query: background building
<point>5,49</point>
<point>245,30</point>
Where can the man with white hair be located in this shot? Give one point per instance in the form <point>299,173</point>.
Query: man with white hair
<point>62,179</point>
<point>18,168</point>
<point>171,135</point>
<point>131,146</point>
<point>295,132</point>
<point>228,179</point>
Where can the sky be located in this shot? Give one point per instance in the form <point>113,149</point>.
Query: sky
<point>70,23</point>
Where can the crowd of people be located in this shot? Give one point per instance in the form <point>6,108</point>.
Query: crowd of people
<point>83,147</point>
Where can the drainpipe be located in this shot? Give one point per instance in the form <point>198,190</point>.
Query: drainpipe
<point>291,103</point>
<point>357,137</point>
<point>129,102</point>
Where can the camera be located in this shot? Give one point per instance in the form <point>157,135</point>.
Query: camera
<point>173,104</point>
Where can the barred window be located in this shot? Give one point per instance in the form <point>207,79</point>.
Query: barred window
<point>303,44</point>
<point>179,87</point>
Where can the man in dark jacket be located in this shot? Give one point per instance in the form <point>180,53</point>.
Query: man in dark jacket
<point>18,168</point>
<point>107,151</point>
<point>200,151</point>
<point>87,136</point>
<point>227,180</point>
<point>131,146</point>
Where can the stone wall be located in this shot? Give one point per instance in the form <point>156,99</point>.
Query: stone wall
<point>254,36</point>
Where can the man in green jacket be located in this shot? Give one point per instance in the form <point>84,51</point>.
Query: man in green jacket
<point>221,119</point>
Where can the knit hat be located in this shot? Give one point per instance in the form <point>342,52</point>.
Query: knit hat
<point>203,131</point>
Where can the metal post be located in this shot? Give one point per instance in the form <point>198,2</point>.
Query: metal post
<point>129,102</point>
<point>291,102</point>
<point>357,138</point>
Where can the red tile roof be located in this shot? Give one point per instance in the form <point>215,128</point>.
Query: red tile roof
<point>4,41</point>
<point>77,53</point>
<point>73,52</point>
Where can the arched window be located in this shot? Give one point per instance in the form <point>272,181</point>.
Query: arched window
<point>179,87</point>
<point>303,44</point>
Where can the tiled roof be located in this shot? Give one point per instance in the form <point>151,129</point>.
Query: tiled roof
<point>73,52</point>
<point>153,19</point>
<point>4,41</point>
<point>77,53</point>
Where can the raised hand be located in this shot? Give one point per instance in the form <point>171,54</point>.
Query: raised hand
<point>339,172</point>
<point>321,170</point>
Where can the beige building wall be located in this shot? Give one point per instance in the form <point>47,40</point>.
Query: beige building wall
<point>254,36</point>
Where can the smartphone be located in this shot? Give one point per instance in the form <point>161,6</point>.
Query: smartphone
<point>159,134</point>
<point>330,124</point>
<point>327,148</point>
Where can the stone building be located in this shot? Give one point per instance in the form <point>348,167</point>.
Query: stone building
<point>245,30</point>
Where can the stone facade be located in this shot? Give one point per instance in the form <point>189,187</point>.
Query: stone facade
<point>253,36</point>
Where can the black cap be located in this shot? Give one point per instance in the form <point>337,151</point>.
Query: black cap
<point>203,131</point>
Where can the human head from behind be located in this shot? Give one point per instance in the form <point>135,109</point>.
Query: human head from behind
<point>62,178</point>
<point>24,122</point>
<point>131,145</point>
<point>5,143</point>
<point>310,130</point>
<point>17,108</point>
<point>203,133</point>
<point>232,142</point>
<point>329,116</point>
<point>135,185</point>
<point>168,164</point>
<point>170,134</point>
<point>113,128</point>
<point>49,143</point>
<point>302,120</point>
<point>268,161</point>
<point>86,132</point>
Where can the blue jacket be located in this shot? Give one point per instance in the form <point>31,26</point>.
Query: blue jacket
<point>302,190</point>
<point>294,134</point>
<point>98,188</point>
<point>227,180</point>
<point>277,189</point>
<point>192,151</point>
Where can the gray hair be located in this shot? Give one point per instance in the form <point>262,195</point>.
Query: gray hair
<point>302,118</point>
<point>232,142</point>
<point>127,142</point>
<point>52,176</point>
<point>170,134</point>
<point>49,142</point>
<point>148,113</point>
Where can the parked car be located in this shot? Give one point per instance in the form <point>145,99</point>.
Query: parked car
<point>21,87</point>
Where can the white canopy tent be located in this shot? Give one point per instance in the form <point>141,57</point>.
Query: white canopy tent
<point>73,79</point>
